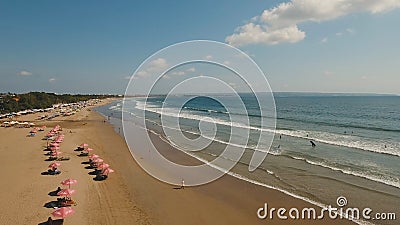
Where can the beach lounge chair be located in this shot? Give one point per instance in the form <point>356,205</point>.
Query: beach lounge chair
<point>84,154</point>
<point>51,158</point>
<point>53,172</point>
<point>50,221</point>
<point>62,158</point>
<point>69,202</point>
<point>100,177</point>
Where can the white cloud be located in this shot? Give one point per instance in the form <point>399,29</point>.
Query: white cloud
<point>153,67</point>
<point>328,73</point>
<point>208,57</point>
<point>339,34</point>
<point>178,73</point>
<point>51,80</point>
<point>142,73</point>
<point>24,73</point>
<point>280,24</point>
<point>226,62</point>
<point>258,34</point>
<point>324,40</point>
<point>127,77</point>
<point>192,69</point>
<point>157,65</point>
<point>350,31</point>
<point>234,85</point>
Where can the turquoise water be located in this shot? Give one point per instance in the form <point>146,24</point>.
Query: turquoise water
<point>357,143</point>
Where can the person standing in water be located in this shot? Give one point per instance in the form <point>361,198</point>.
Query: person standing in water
<point>183,184</point>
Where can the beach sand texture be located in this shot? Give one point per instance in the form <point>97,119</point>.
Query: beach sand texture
<point>128,196</point>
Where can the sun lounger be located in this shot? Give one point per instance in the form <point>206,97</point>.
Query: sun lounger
<point>51,158</point>
<point>53,172</point>
<point>68,203</point>
<point>100,177</point>
<point>83,154</point>
<point>50,221</point>
<point>63,158</point>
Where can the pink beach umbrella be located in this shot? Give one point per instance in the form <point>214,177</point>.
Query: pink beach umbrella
<point>54,164</point>
<point>54,148</point>
<point>68,182</point>
<point>93,156</point>
<point>107,171</point>
<point>103,166</point>
<point>88,150</point>
<point>97,160</point>
<point>84,145</point>
<point>55,144</point>
<point>66,192</point>
<point>56,153</point>
<point>63,212</point>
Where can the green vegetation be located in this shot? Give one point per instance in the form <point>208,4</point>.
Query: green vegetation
<point>39,100</point>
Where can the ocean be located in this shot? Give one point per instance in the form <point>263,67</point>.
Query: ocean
<point>357,152</point>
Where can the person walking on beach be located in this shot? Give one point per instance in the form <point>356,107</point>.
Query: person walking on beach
<point>183,184</point>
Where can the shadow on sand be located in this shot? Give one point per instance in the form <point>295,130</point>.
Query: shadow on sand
<point>52,222</point>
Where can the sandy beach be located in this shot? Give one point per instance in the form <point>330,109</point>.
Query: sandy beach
<point>129,195</point>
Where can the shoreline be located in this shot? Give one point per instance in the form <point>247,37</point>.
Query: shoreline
<point>229,181</point>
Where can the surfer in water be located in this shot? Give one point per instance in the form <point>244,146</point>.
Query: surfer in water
<point>313,144</point>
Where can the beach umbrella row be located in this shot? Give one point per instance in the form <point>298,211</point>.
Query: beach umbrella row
<point>54,131</point>
<point>99,163</point>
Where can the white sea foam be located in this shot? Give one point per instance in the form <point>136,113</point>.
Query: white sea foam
<point>377,146</point>
<point>380,179</point>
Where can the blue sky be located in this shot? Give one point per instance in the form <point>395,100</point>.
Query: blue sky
<point>93,46</point>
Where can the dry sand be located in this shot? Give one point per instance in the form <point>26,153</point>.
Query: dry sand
<point>129,196</point>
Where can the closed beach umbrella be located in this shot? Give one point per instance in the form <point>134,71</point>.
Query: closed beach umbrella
<point>63,212</point>
<point>107,171</point>
<point>66,192</point>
